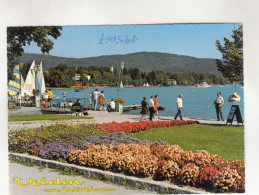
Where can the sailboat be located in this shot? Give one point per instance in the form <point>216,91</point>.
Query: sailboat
<point>234,96</point>
<point>147,85</point>
<point>121,85</point>
<point>34,80</point>
<point>144,85</point>
<point>40,81</point>
<point>29,83</point>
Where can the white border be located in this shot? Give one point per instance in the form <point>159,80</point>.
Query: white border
<point>99,12</point>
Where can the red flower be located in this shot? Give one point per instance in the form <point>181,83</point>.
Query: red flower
<point>131,127</point>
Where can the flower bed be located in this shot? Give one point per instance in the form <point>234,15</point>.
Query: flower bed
<point>165,162</point>
<point>131,127</point>
<point>57,149</point>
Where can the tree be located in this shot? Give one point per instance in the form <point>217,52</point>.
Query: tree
<point>17,37</point>
<point>232,53</point>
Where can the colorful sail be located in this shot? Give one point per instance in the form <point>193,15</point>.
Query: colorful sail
<point>14,86</point>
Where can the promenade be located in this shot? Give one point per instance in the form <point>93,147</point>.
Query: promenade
<point>98,117</point>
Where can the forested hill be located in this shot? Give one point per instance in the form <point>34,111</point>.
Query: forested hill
<point>145,61</point>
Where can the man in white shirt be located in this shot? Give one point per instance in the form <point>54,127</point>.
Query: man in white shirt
<point>151,108</point>
<point>218,105</point>
<point>179,103</point>
<point>96,96</point>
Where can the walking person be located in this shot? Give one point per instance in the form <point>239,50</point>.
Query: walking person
<point>45,98</point>
<point>179,103</point>
<point>101,100</point>
<point>96,96</point>
<point>156,106</point>
<point>218,105</point>
<point>151,108</point>
<point>144,110</point>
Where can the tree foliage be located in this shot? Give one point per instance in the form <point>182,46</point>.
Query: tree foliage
<point>62,76</point>
<point>17,37</point>
<point>232,53</point>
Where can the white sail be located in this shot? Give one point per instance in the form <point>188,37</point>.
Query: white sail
<point>121,85</point>
<point>147,85</point>
<point>144,85</point>
<point>40,81</point>
<point>29,84</point>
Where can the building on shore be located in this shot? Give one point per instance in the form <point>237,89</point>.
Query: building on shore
<point>171,82</point>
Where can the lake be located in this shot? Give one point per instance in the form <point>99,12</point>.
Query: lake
<point>197,102</point>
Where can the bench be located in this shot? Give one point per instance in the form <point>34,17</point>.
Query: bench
<point>74,108</point>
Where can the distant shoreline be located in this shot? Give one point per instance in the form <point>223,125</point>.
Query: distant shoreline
<point>130,86</point>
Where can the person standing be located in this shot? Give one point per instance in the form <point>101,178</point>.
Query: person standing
<point>179,103</point>
<point>90,100</point>
<point>45,98</point>
<point>156,105</point>
<point>144,110</point>
<point>96,96</point>
<point>218,105</point>
<point>151,108</point>
<point>50,97</point>
<point>112,105</point>
<point>101,100</point>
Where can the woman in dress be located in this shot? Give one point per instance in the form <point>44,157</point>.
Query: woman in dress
<point>144,110</point>
<point>101,100</point>
<point>156,106</point>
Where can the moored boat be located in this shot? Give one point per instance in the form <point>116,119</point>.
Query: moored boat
<point>234,97</point>
<point>204,84</point>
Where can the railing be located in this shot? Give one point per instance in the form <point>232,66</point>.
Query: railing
<point>60,102</point>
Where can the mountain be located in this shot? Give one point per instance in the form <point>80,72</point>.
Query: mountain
<point>145,61</point>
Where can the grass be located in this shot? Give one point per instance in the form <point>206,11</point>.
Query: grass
<point>226,141</point>
<point>44,117</point>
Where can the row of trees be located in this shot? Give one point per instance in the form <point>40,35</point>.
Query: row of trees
<point>62,76</point>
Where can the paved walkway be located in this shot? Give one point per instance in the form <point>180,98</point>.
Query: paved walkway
<point>24,173</point>
<point>99,117</point>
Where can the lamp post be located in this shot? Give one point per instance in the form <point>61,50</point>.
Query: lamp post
<point>118,77</point>
<point>34,71</point>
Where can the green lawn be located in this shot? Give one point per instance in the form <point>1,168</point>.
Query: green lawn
<point>44,117</point>
<point>226,141</point>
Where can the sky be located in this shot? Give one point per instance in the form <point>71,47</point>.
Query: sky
<point>197,40</point>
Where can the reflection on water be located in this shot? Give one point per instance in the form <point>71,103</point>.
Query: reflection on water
<point>198,102</point>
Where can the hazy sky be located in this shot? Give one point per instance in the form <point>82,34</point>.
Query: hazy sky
<point>197,40</point>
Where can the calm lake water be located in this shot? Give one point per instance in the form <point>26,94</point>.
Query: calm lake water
<point>197,102</point>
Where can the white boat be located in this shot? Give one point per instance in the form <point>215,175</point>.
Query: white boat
<point>147,85</point>
<point>29,83</point>
<point>121,85</point>
<point>144,85</point>
<point>204,84</point>
<point>34,80</point>
<point>234,96</point>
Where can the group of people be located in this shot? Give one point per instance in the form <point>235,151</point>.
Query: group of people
<point>95,98</point>
<point>152,106</point>
<point>47,98</point>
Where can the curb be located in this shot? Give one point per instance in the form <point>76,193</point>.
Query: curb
<point>114,177</point>
<point>49,121</point>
